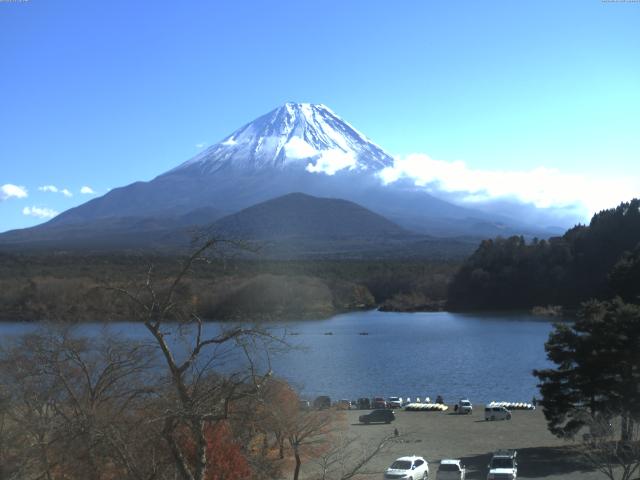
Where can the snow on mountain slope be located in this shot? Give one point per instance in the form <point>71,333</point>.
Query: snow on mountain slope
<point>298,147</point>
<point>304,135</point>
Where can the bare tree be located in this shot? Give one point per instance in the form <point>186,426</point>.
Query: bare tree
<point>348,457</point>
<point>308,433</point>
<point>604,448</point>
<point>199,397</point>
<point>73,404</point>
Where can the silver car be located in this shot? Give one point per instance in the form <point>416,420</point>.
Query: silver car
<point>451,469</point>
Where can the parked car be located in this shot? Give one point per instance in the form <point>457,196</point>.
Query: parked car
<point>322,402</point>
<point>364,404</point>
<point>344,405</point>
<point>496,413</point>
<point>394,402</point>
<point>304,404</point>
<point>378,416</point>
<point>451,469</point>
<point>464,406</point>
<point>379,402</point>
<point>409,468</point>
<point>503,465</point>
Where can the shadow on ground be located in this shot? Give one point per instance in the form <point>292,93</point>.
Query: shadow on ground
<point>535,462</point>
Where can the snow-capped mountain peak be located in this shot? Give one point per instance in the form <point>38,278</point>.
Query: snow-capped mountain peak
<point>296,134</point>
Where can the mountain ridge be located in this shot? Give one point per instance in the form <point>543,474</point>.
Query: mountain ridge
<point>294,148</point>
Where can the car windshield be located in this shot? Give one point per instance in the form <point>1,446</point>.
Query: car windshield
<point>501,463</point>
<point>465,403</point>
<point>401,465</point>
<point>448,467</point>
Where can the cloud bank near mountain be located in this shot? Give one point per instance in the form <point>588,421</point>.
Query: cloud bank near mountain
<point>567,197</point>
<point>39,212</point>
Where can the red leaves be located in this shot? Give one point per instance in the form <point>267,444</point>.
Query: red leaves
<point>225,459</point>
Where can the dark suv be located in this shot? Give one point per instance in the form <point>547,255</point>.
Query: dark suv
<point>378,416</point>
<point>322,402</point>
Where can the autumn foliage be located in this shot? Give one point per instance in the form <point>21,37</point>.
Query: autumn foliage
<point>226,460</point>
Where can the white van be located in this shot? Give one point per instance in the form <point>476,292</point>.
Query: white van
<point>464,406</point>
<point>492,412</point>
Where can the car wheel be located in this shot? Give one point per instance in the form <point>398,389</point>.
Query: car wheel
<point>509,417</point>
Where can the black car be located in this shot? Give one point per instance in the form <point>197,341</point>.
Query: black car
<point>364,404</point>
<point>378,416</point>
<point>322,402</point>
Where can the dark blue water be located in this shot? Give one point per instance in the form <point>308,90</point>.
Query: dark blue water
<point>481,356</point>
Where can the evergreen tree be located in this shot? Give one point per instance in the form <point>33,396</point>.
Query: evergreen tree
<point>511,273</point>
<point>597,370</point>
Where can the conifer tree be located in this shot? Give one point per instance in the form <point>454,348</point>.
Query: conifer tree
<point>597,369</point>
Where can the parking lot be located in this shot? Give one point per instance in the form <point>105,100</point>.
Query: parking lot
<point>438,435</point>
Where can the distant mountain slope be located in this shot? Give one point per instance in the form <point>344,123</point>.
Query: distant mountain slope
<point>298,147</point>
<point>293,226</point>
<point>300,215</point>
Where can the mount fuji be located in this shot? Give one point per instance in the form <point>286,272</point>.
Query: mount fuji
<point>298,147</point>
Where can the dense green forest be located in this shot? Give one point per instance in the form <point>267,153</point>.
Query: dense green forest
<point>601,260</point>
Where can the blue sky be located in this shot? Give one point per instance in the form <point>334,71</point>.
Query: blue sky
<point>102,94</point>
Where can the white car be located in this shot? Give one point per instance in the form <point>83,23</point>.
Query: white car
<point>465,406</point>
<point>493,412</point>
<point>503,465</point>
<point>394,402</point>
<point>408,468</point>
<point>451,469</point>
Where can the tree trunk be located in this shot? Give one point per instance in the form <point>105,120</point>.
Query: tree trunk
<point>199,427</point>
<point>626,428</point>
<point>281,447</point>
<point>296,454</point>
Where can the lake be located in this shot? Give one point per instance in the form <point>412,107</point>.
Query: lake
<point>484,356</point>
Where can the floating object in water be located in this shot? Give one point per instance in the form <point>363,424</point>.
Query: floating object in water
<point>363,333</point>
<point>328,333</point>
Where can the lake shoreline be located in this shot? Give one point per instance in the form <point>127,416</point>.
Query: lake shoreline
<point>358,354</point>
<point>435,307</point>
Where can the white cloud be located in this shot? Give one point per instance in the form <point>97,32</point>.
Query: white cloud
<point>331,161</point>
<point>200,145</point>
<point>40,212</point>
<point>297,148</point>
<point>326,161</point>
<point>86,190</point>
<point>53,189</point>
<point>542,187</point>
<point>229,142</point>
<point>9,190</point>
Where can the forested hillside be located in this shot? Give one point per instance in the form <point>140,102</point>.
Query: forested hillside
<point>600,260</point>
<point>78,287</point>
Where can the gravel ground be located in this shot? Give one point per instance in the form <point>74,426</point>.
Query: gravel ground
<point>438,435</point>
